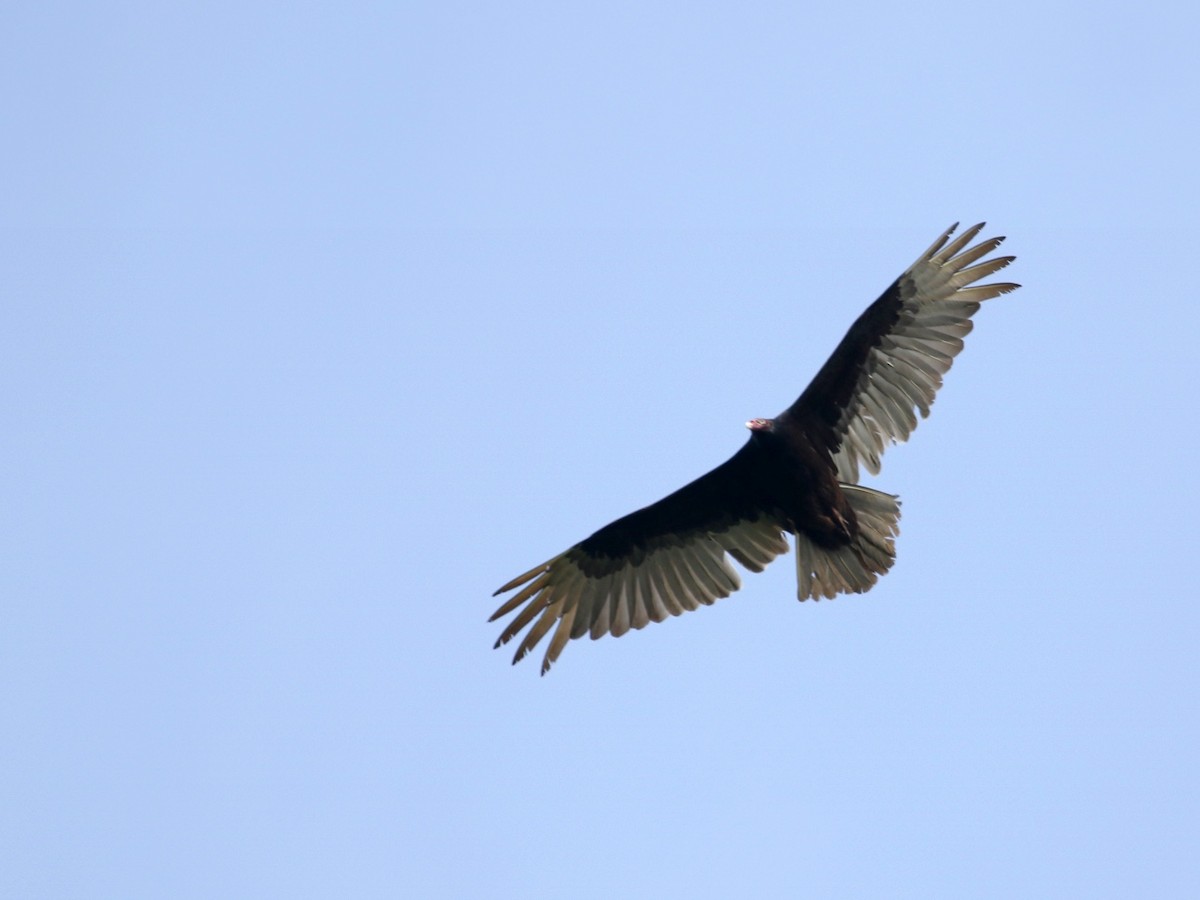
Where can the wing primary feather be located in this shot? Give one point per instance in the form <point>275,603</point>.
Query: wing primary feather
<point>988,291</point>
<point>957,244</point>
<point>937,245</point>
<point>573,587</point>
<point>523,618</point>
<point>562,634</point>
<point>983,248</point>
<point>963,277</point>
<point>525,593</point>
<point>521,579</point>
<point>536,633</point>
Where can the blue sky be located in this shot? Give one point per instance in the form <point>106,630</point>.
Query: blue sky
<point>324,321</point>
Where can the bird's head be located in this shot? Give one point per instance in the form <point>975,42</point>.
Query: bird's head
<point>761,425</point>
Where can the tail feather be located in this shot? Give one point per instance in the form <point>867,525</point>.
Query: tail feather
<point>854,568</point>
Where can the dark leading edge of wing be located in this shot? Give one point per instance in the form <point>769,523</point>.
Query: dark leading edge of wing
<point>673,555</point>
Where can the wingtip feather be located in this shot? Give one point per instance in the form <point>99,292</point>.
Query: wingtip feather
<point>938,244</point>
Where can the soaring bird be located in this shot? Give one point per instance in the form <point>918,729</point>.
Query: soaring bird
<point>796,474</point>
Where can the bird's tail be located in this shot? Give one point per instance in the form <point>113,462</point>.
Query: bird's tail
<point>852,569</point>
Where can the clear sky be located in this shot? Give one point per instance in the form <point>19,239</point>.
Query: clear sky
<point>323,321</point>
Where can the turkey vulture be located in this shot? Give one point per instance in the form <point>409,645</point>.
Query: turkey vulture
<point>796,474</point>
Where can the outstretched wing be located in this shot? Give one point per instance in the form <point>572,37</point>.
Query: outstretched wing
<point>892,359</point>
<point>660,561</point>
